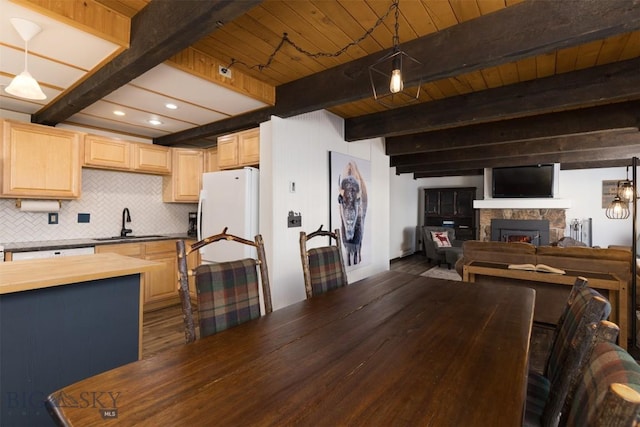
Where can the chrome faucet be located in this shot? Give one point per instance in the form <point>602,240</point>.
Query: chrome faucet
<point>125,217</point>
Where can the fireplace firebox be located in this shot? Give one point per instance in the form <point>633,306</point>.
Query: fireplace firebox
<point>531,231</point>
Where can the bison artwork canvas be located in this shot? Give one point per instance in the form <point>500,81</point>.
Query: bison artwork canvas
<point>349,198</point>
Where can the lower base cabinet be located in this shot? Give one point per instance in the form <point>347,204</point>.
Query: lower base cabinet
<point>160,287</point>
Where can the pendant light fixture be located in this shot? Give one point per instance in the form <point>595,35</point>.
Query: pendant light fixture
<point>618,209</point>
<point>389,74</point>
<point>625,189</point>
<point>24,85</point>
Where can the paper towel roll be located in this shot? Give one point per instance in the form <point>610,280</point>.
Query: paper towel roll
<point>39,206</point>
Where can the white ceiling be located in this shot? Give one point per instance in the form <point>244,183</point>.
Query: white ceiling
<point>61,55</point>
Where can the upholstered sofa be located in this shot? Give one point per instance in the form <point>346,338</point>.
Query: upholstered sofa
<point>550,298</point>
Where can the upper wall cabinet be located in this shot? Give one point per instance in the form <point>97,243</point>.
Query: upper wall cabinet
<point>151,158</point>
<point>107,153</point>
<point>40,162</point>
<point>183,186</point>
<point>211,160</point>
<point>239,149</point>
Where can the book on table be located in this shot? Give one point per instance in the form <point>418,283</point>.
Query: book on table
<point>540,268</point>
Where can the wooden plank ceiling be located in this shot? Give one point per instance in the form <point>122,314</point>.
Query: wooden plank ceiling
<point>505,82</point>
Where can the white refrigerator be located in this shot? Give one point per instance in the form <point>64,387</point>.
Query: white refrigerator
<point>228,199</point>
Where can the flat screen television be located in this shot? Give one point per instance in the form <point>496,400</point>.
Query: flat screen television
<point>523,181</point>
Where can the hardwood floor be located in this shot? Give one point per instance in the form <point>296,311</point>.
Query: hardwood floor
<point>164,328</point>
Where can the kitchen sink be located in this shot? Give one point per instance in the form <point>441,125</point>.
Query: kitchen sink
<point>148,236</point>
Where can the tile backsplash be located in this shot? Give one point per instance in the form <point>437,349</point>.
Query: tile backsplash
<point>104,195</point>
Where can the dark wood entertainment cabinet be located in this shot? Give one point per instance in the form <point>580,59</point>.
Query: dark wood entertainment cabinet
<point>451,207</point>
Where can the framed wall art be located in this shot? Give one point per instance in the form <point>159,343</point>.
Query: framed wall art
<point>350,190</point>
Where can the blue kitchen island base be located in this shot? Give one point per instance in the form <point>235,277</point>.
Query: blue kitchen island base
<point>55,336</point>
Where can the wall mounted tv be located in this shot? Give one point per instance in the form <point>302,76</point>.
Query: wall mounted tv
<point>523,181</point>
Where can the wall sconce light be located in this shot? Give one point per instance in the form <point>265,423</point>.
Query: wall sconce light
<point>389,74</point>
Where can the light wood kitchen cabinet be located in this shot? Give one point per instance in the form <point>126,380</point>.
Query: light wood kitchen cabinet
<point>183,186</point>
<point>228,151</point>
<point>249,147</point>
<point>40,162</point>
<point>211,160</point>
<point>107,153</point>
<point>135,250</point>
<point>114,154</point>
<point>239,149</point>
<point>160,287</point>
<point>151,158</point>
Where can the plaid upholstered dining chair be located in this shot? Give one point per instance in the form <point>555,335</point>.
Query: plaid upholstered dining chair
<point>227,292</point>
<point>323,267</point>
<point>579,327</point>
<point>608,393</point>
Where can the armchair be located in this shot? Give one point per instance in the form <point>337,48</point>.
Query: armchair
<point>436,249</point>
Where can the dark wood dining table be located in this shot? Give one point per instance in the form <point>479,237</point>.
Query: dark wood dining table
<point>391,349</point>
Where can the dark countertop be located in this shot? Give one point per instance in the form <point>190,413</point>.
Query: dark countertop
<point>82,243</point>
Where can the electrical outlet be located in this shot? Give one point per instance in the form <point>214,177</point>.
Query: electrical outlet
<point>224,71</point>
<point>53,218</point>
<point>294,219</point>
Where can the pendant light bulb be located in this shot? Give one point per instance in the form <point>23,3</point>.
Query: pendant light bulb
<point>396,85</point>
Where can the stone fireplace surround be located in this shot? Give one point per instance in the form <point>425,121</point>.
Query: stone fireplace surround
<point>556,218</point>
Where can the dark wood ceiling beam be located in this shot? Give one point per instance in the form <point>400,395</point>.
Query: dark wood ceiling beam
<point>542,146</point>
<point>159,31</point>
<point>619,147</point>
<point>233,124</point>
<point>605,117</point>
<point>470,172</point>
<point>596,164</point>
<point>616,82</point>
<point>601,155</point>
<point>516,32</point>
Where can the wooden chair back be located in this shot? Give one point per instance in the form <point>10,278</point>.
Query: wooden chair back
<point>579,328</point>
<point>564,386</point>
<point>227,292</point>
<point>584,306</point>
<point>608,393</point>
<point>322,267</point>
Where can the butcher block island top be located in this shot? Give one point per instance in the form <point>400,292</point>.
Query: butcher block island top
<point>25,275</point>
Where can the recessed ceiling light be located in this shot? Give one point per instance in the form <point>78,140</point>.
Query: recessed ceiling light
<point>155,122</point>
<point>171,106</point>
<point>118,113</point>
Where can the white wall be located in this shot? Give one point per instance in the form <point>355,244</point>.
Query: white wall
<point>404,214</point>
<point>297,150</point>
<point>584,189</point>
